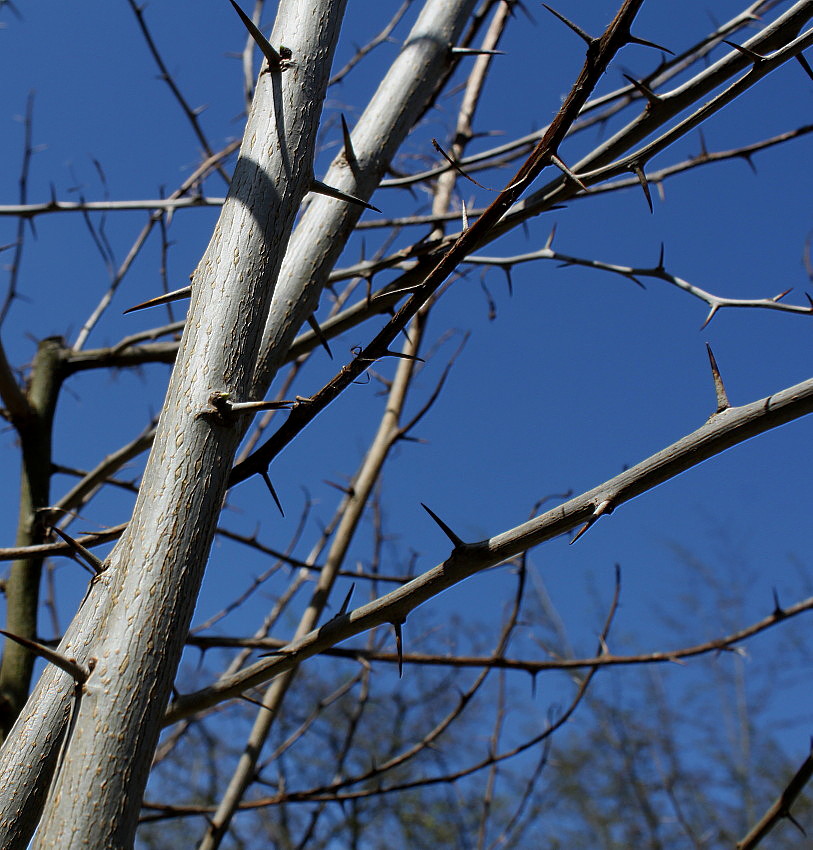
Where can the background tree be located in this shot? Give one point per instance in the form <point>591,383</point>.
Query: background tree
<point>443,756</point>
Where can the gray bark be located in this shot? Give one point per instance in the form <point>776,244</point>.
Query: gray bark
<point>135,619</point>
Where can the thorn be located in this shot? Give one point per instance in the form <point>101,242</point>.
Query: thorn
<point>660,267</point>
<point>349,152</point>
<point>346,603</point>
<point>746,51</point>
<point>809,301</point>
<point>390,292</point>
<point>273,58</point>
<point>507,271</point>
<point>533,685</point>
<point>166,298</point>
<point>95,564</point>
<point>79,672</point>
<point>399,646</point>
<point>328,191</point>
<point>805,64</point>
<point>778,611</point>
<point>465,214</point>
<point>565,170</point>
<point>270,486</point>
<point>633,39</point>
<point>402,356</point>
<point>704,152</point>
<point>314,326</point>
<point>578,30</point>
<point>456,166</point>
<point>549,242</point>
<point>749,159</point>
<point>719,387</point>
<point>639,173</point>
<point>348,491</point>
<point>778,298</point>
<point>796,823</point>
<point>646,91</point>
<point>456,541</point>
<point>476,51</point>
<point>601,509</point>
<point>712,312</point>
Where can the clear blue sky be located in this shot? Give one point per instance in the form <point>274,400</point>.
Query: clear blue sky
<point>581,373</point>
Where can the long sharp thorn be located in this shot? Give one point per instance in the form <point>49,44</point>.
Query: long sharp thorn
<point>69,665</point>
<point>271,489</point>
<point>329,192</point>
<point>647,92</point>
<point>639,173</point>
<point>551,235</point>
<point>719,387</point>
<point>476,51</point>
<point>805,64</point>
<point>349,152</point>
<point>399,646</point>
<point>712,313</point>
<point>778,610</point>
<point>746,51</point>
<point>443,527</point>
<point>402,356</point>
<point>577,29</point>
<point>456,166</point>
<point>346,603</point>
<point>567,172</point>
<point>314,326</point>
<point>96,564</point>
<point>600,510</point>
<point>633,39</point>
<point>166,298</point>
<point>271,55</point>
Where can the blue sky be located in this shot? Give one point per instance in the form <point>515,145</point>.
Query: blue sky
<point>580,374</point>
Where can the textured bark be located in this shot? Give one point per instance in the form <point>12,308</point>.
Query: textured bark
<point>134,621</point>
<point>320,236</point>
